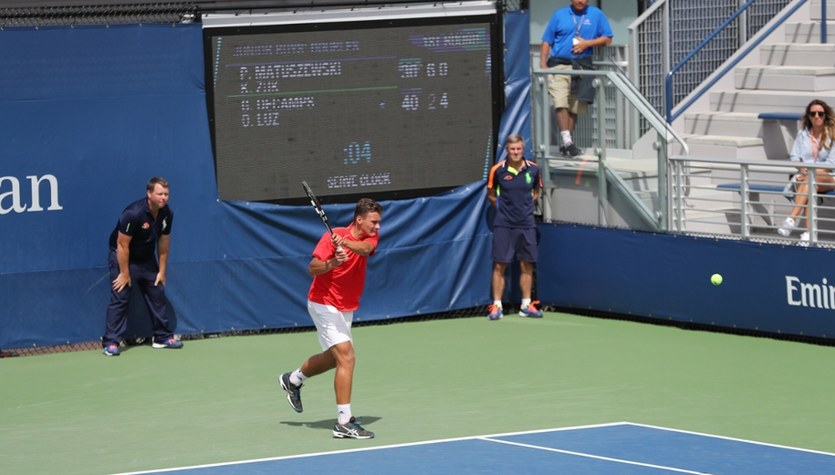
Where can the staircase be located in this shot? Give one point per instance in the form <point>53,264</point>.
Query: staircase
<point>789,75</point>
<point>784,77</point>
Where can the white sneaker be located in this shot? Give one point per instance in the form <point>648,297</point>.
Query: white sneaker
<point>786,228</point>
<point>804,239</point>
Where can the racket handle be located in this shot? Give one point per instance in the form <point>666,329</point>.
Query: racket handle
<point>338,248</point>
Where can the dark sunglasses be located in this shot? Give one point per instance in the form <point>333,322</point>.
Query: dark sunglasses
<point>817,113</point>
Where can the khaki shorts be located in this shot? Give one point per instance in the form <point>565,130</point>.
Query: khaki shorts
<point>559,87</point>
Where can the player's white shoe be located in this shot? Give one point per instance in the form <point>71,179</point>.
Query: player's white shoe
<point>351,430</point>
<point>294,393</point>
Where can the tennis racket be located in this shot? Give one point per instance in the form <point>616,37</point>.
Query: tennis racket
<point>318,207</point>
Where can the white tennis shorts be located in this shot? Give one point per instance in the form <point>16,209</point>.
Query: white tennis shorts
<point>332,326</point>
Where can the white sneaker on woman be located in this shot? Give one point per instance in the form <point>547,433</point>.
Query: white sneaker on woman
<point>804,239</point>
<point>786,228</point>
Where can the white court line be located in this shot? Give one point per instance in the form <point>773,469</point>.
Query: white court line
<point>597,457</point>
<point>733,439</point>
<point>365,449</point>
<point>483,437</point>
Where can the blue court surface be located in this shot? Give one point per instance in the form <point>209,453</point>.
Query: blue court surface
<point>619,448</point>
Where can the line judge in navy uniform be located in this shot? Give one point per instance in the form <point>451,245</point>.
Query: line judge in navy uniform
<point>142,233</point>
<point>513,189</point>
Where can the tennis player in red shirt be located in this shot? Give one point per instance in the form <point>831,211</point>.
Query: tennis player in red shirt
<point>338,270</point>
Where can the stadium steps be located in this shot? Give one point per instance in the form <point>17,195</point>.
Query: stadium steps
<point>797,54</point>
<point>791,72</point>
<point>785,78</point>
<point>808,32</point>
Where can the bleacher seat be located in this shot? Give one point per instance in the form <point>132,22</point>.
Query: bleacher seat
<point>780,116</point>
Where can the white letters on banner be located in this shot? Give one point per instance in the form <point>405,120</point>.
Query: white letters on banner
<point>15,199</point>
<point>801,294</point>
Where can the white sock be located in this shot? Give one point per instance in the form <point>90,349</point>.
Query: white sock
<point>343,413</point>
<point>497,303</point>
<point>526,303</point>
<point>566,138</point>
<point>297,378</point>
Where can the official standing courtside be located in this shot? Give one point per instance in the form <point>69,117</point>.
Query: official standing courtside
<point>142,232</point>
<point>513,189</point>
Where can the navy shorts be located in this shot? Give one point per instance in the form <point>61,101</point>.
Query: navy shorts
<point>510,242</point>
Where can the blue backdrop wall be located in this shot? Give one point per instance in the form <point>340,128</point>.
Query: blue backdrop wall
<point>787,290</point>
<point>89,114</point>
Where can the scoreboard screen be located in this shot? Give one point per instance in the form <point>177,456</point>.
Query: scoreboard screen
<point>385,108</point>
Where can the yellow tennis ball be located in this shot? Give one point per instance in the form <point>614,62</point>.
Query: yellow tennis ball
<point>716,279</point>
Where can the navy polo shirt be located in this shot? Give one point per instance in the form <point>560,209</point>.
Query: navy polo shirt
<point>136,221</point>
<point>514,194</point>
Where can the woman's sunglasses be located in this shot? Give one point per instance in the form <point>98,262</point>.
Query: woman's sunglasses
<point>817,113</point>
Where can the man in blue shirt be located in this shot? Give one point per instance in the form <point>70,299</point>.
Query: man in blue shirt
<point>567,43</point>
<point>513,188</point>
<point>142,232</point>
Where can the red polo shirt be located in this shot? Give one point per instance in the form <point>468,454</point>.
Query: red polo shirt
<point>342,285</point>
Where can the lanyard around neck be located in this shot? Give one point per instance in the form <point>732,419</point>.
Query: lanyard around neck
<point>577,25</point>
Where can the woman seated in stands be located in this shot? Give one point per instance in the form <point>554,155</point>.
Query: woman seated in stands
<point>812,145</point>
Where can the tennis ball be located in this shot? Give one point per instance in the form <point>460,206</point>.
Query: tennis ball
<point>716,279</point>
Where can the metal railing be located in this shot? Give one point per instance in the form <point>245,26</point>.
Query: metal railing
<point>670,29</point>
<point>617,131</point>
<point>607,175</point>
<point>747,199</point>
<point>668,82</point>
<point>733,198</point>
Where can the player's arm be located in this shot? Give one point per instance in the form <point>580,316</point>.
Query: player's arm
<point>538,185</point>
<point>163,247</point>
<point>584,44</point>
<point>362,248</point>
<point>123,259</point>
<point>493,185</point>
<point>544,52</point>
<point>318,266</point>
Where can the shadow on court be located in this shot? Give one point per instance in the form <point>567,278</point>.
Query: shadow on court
<point>327,424</point>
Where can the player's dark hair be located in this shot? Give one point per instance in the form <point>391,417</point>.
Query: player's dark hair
<point>367,205</point>
<point>157,180</point>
